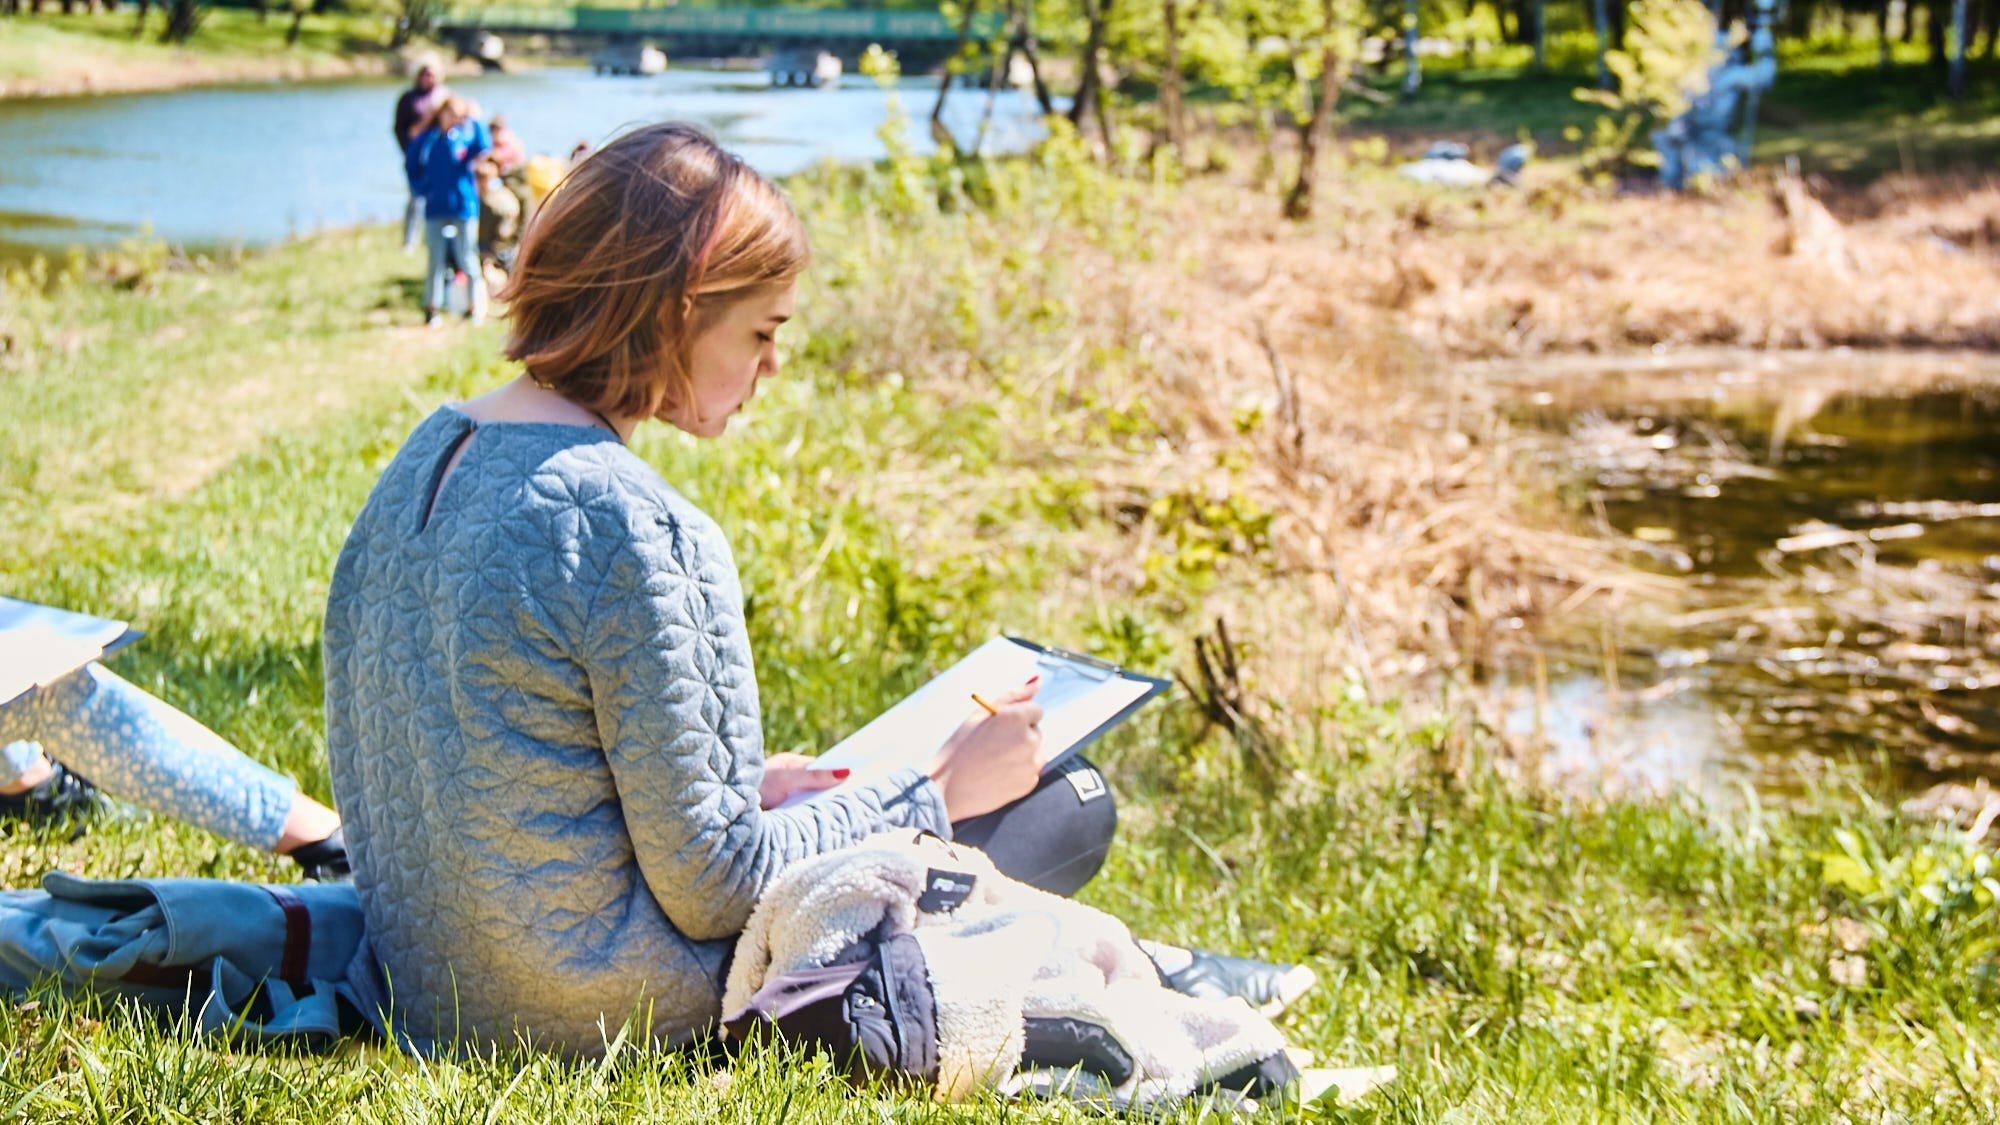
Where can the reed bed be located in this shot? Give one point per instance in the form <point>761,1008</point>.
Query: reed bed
<point>1319,415</point>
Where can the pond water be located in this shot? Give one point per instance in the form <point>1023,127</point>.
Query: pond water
<point>1831,526</point>
<point>249,165</point>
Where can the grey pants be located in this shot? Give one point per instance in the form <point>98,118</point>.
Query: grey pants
<point>139,749</point>
<point>448,239</point>
<point>413,221</point>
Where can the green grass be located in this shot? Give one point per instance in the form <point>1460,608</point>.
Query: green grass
<point>186,448</point>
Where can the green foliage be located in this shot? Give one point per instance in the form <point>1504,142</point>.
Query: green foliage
<point>1943,882</point>
<point>1200,533</point>
<point>1670,46</point>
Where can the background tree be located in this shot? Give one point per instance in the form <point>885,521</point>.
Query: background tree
<point>183,17</point>
<point>415,17</point>
<point>1955,85</point>
<point>1329,51</point>
<point>1089,92</point>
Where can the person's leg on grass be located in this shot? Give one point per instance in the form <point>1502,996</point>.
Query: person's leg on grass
<point>34,788</point>
<point>1054,838</point>
<point>475,277</point>
<point>413,221</point>
<point>1057,837</point>
<point>124,740</point>
<point>437,271</point>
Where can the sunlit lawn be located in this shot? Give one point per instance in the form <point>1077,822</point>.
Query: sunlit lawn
<point>187,453</point>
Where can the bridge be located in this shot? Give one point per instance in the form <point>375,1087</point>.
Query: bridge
<point>919,36</point>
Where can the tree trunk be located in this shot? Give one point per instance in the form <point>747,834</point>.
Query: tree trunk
<point>1042,97</point>
<point>1600,22</point>
<point>993,84</point>
<point>1542,35</point>
<point>1106,127</point>
<point>1882,37</point>
<point>1170,80</point>
<point>1096,13</point>
<point>1934,34</point>
<point>1990,21</point>
<point>69,7</point>
<point>1313,135</point>
<point>1413,67</point>
<point>1955,84</point>
<point>145,10</point>
<point>939,133</point>
<point>298,24</point>
<point>182,17</point>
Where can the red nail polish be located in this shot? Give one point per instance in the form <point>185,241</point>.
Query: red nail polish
<point>1034,678</point>
<point>841,775</point>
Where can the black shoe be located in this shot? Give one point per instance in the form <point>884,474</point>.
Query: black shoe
<point>324,861</point>
<point>1267,987</point>
<point>61,794</point>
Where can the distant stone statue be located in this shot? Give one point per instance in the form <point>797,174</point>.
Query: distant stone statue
<point>1704,140</point>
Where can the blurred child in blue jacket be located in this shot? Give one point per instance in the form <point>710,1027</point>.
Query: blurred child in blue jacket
<point>440,159</point>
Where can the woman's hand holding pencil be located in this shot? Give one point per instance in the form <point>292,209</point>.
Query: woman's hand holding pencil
<point>994,758</point>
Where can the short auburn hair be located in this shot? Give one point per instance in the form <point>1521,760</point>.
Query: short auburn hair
<point>632,256</point>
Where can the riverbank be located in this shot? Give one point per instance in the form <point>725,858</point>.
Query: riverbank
<point>1110,413</point>
<point>54,56</point>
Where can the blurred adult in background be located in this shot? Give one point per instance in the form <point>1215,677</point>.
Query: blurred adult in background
<point>416,105</point>
<point>507,155</point>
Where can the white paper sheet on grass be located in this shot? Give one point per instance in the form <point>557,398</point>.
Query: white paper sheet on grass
<point>1076,699</point>
<point>39,644</point>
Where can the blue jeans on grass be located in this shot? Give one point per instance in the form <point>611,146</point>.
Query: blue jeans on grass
<point>449,239</point>
<point>144,751</point>
<point>413,220</point>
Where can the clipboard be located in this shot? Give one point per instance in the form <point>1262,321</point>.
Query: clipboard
<point>1082,697</point>
<point>41,644</point>
<point>1154,686</point>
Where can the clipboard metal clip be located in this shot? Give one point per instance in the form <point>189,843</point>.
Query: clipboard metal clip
<point>1102,668</point>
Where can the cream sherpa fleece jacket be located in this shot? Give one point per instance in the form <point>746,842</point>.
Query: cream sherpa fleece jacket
<point>1006,953</point>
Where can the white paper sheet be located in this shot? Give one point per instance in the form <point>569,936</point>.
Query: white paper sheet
<point>39,644</point>
<point>1076,699</point>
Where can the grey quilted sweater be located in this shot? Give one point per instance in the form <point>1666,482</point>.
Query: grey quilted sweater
<point>544,733</point>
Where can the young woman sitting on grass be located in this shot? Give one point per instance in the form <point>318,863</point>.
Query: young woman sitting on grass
<point>541,708</point>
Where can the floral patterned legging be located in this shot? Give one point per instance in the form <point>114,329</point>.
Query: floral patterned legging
<point>142,750</point>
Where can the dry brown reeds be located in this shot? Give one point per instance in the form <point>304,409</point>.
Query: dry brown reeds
<point>1321,370</point>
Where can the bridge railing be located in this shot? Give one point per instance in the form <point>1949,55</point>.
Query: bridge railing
<point>773,23</point>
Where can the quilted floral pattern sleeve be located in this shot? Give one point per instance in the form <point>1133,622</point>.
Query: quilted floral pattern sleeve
<point>676,702</point>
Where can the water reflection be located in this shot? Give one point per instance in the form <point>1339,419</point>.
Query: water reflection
<point>1837,523</point>
<point>253,164</point>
